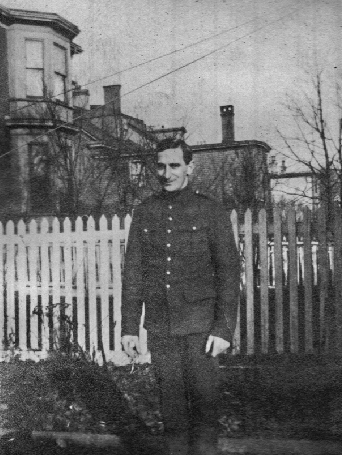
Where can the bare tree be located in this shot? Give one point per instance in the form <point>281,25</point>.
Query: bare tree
<point>316,144</point>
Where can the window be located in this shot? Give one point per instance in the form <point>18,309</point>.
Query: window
<point>59,59</point>
<point>34,68</point>
<point>137,172</point>
<point>40,179</point>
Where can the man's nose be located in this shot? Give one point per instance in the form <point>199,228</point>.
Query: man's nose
<point>167,172</point>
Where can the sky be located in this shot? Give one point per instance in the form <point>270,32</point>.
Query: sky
<point>267,47</point>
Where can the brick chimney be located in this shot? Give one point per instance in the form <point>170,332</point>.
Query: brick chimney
<point>227,115</point>
<point>112,98</point>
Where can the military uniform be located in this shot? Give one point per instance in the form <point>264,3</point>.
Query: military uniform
<point>182,261</point>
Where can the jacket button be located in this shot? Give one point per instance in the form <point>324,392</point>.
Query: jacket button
<point>170,218</point>
<point>170,207</point>
<point>167,286</point>
<point>169,231</point>
<point>194,228</point>
<point>168,245</point>
<point>168,272</point>
<point>169,259</point>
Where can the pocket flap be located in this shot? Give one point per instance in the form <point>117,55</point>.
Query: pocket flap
<point>197,292</point>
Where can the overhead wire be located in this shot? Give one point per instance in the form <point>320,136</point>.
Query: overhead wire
<point>221,48</point>
<point>146,61</point>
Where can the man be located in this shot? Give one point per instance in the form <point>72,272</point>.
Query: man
<point>182,261</point>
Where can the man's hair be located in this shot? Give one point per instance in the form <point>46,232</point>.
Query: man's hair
<point>171,143</point>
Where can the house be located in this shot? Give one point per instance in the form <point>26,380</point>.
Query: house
<point>59,154</point>
<point>234,172</point>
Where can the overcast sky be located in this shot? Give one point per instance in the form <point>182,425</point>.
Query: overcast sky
<point>268,44</point>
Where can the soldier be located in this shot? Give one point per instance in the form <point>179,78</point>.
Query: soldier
<point>182,262</point>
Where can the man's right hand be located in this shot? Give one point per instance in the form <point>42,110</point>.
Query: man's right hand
<point>131,345</point>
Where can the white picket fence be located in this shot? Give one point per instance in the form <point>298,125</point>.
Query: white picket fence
<point>51,273</point>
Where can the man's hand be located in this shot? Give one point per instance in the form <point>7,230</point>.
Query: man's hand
<point>218,345</point>
<point>131,345</point>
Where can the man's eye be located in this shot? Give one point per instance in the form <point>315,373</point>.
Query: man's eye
<point>174,165</point>
<point>160,167</point>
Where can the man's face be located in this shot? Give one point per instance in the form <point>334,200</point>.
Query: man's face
<point>172,170</point>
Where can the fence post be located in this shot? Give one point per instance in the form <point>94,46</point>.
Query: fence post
<point>22,278</point>
<point>323,277</point>
<point>292,242</point>
<point>2,289</point>
<point>103,274</point>
<point>117,281</point>
<point>81,315</point>
<point>56,282</point>
<point>33,261</point>
<point>264,301</point>
<point>237,334</point>
<point>249,281</point>
<point>308,280</point>
<point>278,281</point>
<point>92,285</point>
<point>45,284</point>
<point>338,278</point>
<point>9,280</point>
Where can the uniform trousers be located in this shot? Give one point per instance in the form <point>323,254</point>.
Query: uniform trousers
<point>187,379</point>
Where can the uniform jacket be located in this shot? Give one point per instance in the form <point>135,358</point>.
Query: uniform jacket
<point>182,261</point>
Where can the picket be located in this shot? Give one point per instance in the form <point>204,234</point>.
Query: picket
<point>80,297</point>
<point>21,264</point>
<point>104,283</point>
<point>56,283</point>
<point>263,247</point>
<point>337,279</point>
<point>33,272</point>
<point>2,287</point>
<point>292,241</point>
<point>308,280</point>
<point>43,265</point>
<point>278,279</point>
<point>249,281</point>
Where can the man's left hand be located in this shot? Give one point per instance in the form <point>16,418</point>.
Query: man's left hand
<point>218,345</point>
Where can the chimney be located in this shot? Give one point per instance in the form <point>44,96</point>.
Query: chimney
<point>80,97</point>
<point>227,115</point>
<point>112,98</point>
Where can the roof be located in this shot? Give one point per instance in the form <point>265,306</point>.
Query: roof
<point>9,16</point>
<point>229,145</point>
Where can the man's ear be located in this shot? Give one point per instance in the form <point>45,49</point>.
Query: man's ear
<point>190,168</point>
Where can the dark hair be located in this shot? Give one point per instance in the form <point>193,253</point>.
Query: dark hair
<point>172,143</point>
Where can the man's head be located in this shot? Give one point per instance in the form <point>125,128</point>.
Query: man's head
<point>174,164</point>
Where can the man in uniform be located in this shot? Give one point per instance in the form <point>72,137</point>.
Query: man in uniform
<point>182,262</point>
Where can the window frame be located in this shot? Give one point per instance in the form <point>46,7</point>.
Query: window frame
<point>61,97</point>
<point>40,69</point>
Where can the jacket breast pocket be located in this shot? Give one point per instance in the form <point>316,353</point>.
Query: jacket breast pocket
<point>193,240</point>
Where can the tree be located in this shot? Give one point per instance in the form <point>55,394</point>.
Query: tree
<point>316,144</point>
<point>86,164</point>
<point>238,178</point>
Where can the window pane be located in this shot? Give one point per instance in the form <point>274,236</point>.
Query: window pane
<point>59,87</point>
<point>34,54</point>
<point>34,82</point>
<point>59,59</point>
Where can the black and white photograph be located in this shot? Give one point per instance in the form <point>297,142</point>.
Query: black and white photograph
<point>170,227</point>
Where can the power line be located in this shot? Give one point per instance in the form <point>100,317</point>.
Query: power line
<point>148,61</point>
<point>160,77</point>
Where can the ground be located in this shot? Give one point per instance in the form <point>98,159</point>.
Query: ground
<point>282,401</point>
